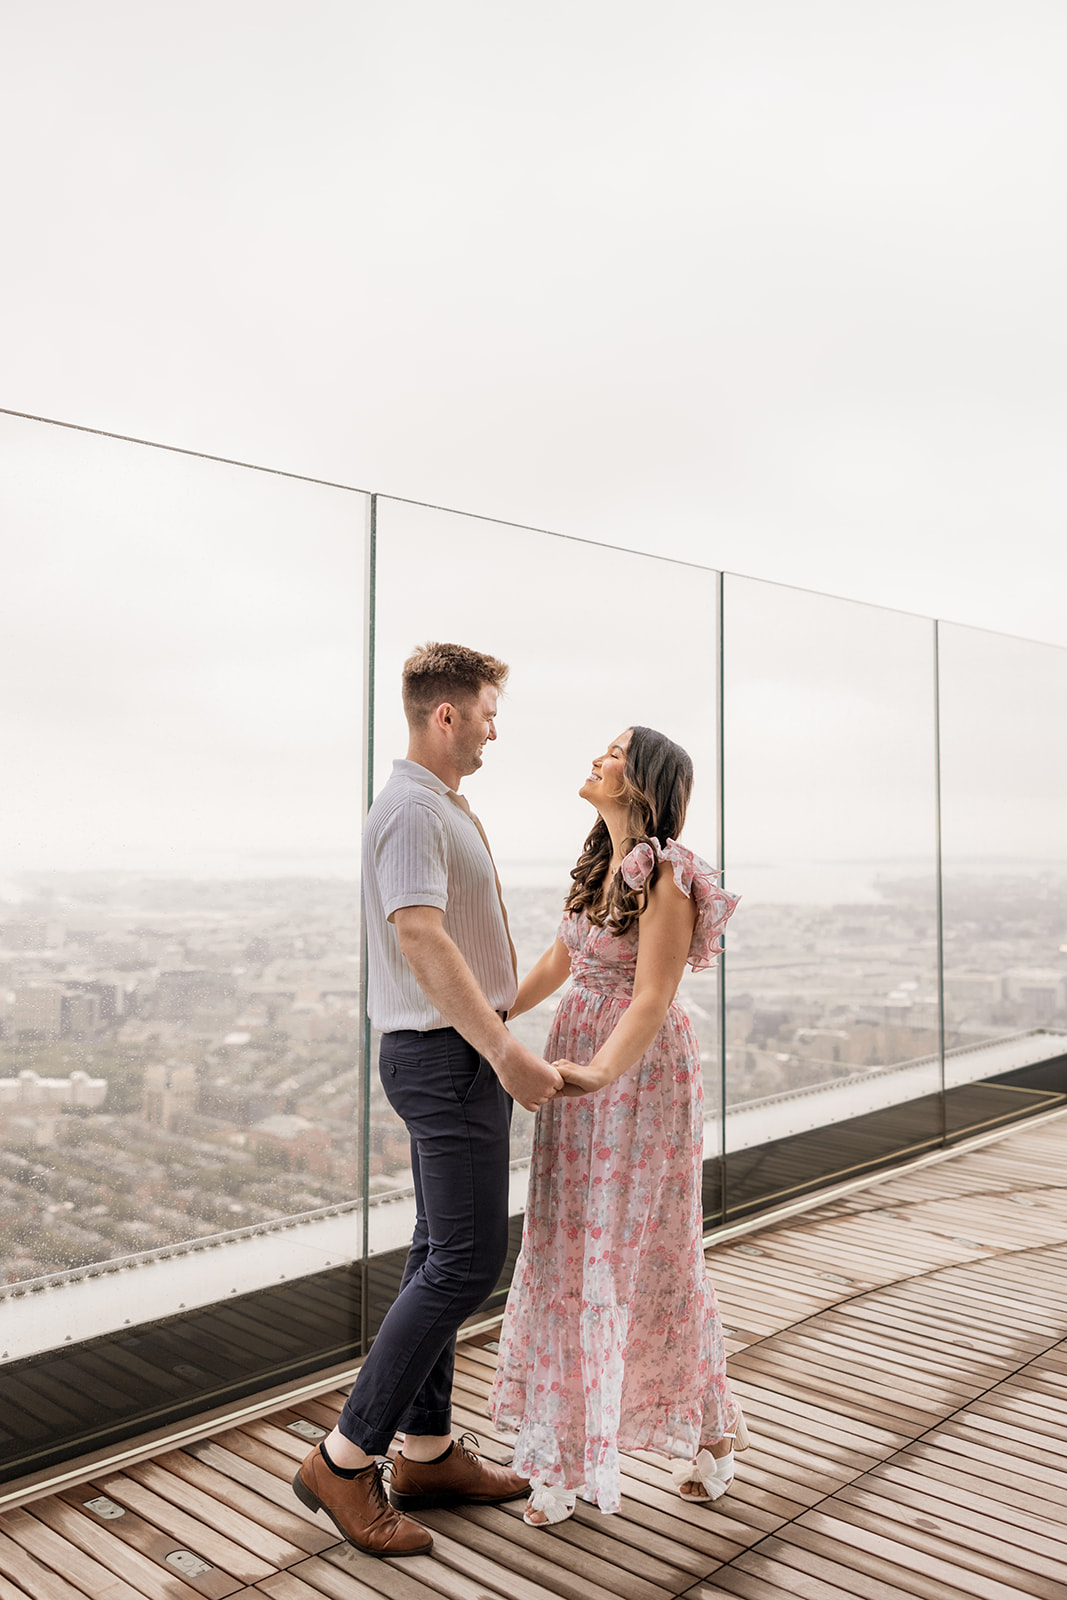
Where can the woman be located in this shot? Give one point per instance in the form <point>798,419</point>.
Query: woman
<point>611,1339</point>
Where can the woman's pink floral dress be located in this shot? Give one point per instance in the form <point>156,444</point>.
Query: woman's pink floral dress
<point>611,1338</point>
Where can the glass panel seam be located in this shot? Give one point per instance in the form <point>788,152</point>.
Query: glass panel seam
<point>720,844</point>
<point>369,603</point>
<point>938,879</point>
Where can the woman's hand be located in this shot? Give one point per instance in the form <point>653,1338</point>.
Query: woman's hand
<point>578,1080</point>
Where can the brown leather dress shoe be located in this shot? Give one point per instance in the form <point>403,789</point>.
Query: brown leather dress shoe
<point>358,1509</point>
<point>461,1477</point>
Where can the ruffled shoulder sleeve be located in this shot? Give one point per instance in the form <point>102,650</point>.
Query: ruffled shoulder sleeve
<point>698,882</point>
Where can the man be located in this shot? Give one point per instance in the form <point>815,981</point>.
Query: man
<point>442,976</point>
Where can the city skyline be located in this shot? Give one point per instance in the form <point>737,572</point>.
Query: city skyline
<point>179,1058</point>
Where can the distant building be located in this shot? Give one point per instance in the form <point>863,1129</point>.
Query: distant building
<point>304,1146</point>
<point>110,994</point>
<point>28,1092</point>
<point>81,1014</point>
<point>204,1000</point>
<point>169,1094</point>
<point>971,986</point>
<point>36,1012</point>
<point>1042,990</point>
<point>41,1011</point>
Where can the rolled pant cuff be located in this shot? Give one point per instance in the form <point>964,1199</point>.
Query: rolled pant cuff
<point>434,1423</point>
<point>373,1442</point>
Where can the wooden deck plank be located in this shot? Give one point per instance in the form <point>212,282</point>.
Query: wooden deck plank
<point>26,1575</point>
<point>942,1354</point>
<point>318,1577</point>
<point>1040,1392</point>
<point>233,1530</point>
<point>860,1358</point>
<point>998,1408</point>
<point>8,1590</point>
<point>840,1380</point>
<point>242,1442</point>
<point>967,1297</point>
<point>630,1537</point>
<point>67,1560</point>
<point>185,1529</point>
<point>252,1475</point>
<point>536,1574</point>
<point>963,1577</point>
<point>613,1569</point>
<point>902,1422</point>
<point>984,1458</point>
<point>726,1521</point>
<point>1010,1525</point>
<point>226,1491</point>
<point>948,1529</point>
<point>981,1478</point>
<point>797,1563</point>
<point>732,1581</point>
<point>939,1310</point>
<point>1011,1439</point>
<point>873,1565</point>
<point>761,1578</point>
<point>140,1562</point>
<point>840,1437</point>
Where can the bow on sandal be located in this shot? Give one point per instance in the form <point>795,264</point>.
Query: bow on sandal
<point>555,1505</point>
<point>709,1476</point>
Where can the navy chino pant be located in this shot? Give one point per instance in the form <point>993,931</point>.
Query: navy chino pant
<point>458,1118</point>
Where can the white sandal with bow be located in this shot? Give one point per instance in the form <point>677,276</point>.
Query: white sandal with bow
<point>555,1505</point>
<point>709,1476</point>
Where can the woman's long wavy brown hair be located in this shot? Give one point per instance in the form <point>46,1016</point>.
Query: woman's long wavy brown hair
<point>659,776</point>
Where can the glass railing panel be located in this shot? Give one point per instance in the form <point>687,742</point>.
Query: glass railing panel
<point>832,1031</point>
<point>1003,805</point>
<point>596,639</point>
<point>179,916</point>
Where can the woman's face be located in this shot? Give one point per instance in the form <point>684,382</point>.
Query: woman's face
<point>606,783</point>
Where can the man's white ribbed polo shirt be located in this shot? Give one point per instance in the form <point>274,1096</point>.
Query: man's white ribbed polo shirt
<point>423,847</point>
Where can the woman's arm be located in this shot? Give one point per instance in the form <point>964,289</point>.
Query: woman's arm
<point>543,979</point>
<point>665,933</point>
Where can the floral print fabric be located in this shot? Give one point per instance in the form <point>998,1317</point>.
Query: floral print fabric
<point>611,1338</point>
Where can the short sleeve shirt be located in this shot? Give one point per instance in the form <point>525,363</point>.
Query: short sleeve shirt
<point>422,847</point>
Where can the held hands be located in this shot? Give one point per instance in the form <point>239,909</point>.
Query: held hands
<point>527,1078</point>
<point>532,1082</point>
<point>578,1080</point>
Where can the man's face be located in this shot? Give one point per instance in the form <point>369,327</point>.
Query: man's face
<point>472,726</point>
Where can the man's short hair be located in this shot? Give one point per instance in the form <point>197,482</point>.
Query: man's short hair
<point>435,673</point>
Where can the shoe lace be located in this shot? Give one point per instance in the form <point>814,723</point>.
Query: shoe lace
<point>467,1443</point>
<point>378,1494</point>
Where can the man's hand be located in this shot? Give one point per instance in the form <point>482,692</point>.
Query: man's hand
<point>578,1080</point>
<point>527,1078</point>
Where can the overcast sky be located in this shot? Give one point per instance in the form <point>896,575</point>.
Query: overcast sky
<point>771,287</point>
<point>776,287</point>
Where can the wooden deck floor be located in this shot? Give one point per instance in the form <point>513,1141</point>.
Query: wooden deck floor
<point>902,1358</point>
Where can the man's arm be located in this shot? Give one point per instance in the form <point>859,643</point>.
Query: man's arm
<point>449,984</point>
